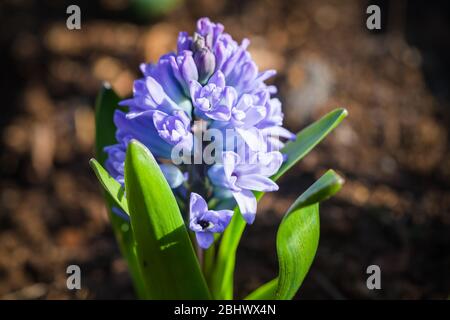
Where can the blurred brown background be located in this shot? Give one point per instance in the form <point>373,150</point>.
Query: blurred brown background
<point>392,149</point>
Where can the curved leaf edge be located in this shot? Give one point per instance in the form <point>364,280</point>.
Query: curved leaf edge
<point>326,186</point>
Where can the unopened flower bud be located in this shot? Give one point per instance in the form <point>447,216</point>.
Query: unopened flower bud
<point>206,64</point>
<point>204,58</point>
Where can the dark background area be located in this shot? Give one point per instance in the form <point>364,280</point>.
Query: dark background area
<point>394,210</point>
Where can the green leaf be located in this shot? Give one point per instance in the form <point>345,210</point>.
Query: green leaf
<point>298,234</point>
<point>169,266</point>
<point>307,139</point>
<point>105,130</point>
<point>298,238</point>
<point>114,189</point>
<point>222,277</point>
<point>326,186</point>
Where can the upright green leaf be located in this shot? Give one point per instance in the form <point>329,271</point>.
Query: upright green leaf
<point>105,129</point>
<point>222,276</point>
<point>298,238</point>
<point>298,234</point>
<point>114,189</point>
<point>297,241</point>
<point>306,140</point>
<point>169,266</point>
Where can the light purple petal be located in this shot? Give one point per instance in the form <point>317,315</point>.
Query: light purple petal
<point>156,90</point>
<point>223,218</point>
<point>230,159</point>
<point>256,182</point>
<point>217,175</point>
<point>229,97</point>
<point>266,75</point>
<point>247,204</point>
<point>270,162</point>
<point>253,138</point>
<point>197,205</point>
<point>278,132</point>
<point>188,68</point>
<point>204,239</point>
<point>194,88</point>
<point>184,41</point>
<point>173,175</point>
<point>142,129</point>
<point>254,115</point>
<point>220,113</point>
<point>218,79</point>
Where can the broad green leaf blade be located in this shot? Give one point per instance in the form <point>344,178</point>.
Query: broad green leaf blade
<point>298,234</point>
<point>114,189</point>
<point>307,139</point>
<point>105,130</point>
<point>297,241</point>
<point>169,266</point>
<point>298,238</point>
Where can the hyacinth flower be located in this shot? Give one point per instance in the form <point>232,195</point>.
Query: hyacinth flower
<point>185,160</point>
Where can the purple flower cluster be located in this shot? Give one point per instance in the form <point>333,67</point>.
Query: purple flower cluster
<point>212,79</point>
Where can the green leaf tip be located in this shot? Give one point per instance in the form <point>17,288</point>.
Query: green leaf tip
<point>325,187</point>
<point>111,186</point>
<point>135,145</point>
